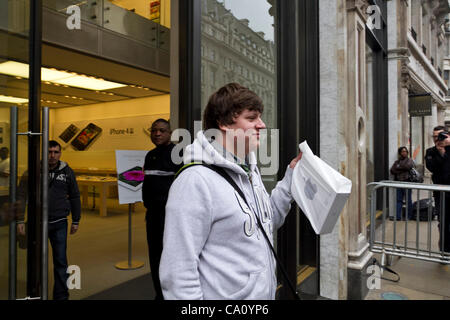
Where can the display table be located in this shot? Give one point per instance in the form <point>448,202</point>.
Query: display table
<point>95,171</point>
<point>96,181</point>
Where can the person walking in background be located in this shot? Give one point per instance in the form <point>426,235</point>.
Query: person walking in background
<point>159,172</point>
<point>63,199</point>
<point>400,169</point>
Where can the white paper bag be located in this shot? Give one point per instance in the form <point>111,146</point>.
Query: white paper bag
<point>319,190</point>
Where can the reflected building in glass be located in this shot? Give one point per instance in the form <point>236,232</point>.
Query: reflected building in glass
<point>233,52</point>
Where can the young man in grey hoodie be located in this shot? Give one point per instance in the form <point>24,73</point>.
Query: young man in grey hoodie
<point>213,248</point>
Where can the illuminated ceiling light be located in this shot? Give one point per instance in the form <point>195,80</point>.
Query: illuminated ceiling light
<point>51,75</point>
<point>9,99</point>
<point>89,83</point>
<point>18,69</point>
<point>15,69</point>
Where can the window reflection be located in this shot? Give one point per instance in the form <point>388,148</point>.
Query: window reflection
<point>238,46</point>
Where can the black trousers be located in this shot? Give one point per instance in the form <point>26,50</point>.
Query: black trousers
<point>155,230</point>
<point>444,220</point>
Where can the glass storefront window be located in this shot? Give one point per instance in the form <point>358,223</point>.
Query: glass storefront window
<point>238,45</point>
<point>248,50</point>
<point>14,90</point>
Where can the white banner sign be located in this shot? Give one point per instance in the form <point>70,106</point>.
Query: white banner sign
<point>130,175</point>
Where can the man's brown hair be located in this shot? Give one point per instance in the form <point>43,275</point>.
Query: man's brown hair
<point>227,103</point>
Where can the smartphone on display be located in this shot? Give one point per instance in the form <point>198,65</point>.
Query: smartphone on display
<point>86,137</point>
<point>69,133</point>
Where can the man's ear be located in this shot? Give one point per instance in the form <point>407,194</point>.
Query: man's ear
<point>223,127</point>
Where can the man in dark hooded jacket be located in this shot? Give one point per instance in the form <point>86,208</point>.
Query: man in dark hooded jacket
<point>63,199</point>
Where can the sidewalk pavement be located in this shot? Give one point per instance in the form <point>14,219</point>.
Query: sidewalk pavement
<point>419,280</point>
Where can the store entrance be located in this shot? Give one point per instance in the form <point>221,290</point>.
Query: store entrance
<point>91,124</point>
<point>105,79</point>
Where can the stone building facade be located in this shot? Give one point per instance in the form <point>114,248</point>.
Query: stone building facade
<point>416,61</point>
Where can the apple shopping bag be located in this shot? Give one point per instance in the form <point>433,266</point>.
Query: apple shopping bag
<point>319,190</point>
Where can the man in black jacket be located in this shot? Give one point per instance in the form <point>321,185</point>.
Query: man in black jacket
<point>63,199</point>
<point>159,172</point>
<point>438,162</point>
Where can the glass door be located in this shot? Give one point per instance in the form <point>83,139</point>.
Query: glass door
<point>20,209</point>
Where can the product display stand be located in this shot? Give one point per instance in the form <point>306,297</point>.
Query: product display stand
<point>130,264</point>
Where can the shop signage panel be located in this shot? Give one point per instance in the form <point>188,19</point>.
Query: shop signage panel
<point>420,105</point>
<point>130,175</point>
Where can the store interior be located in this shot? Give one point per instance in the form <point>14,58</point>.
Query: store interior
<point>96,106</point>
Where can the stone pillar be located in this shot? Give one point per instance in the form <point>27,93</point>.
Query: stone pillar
<point>440,115</point>
<point>429,123</point>
<point>333,145</point>
<point>358,253</point>
<point>426,27</point>
<point>399,82</point>
<point>416,19</point>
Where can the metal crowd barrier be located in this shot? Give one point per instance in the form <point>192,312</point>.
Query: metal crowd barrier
<point>407,238</point>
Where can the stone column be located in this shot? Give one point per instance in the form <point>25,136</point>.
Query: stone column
<point>399,80</point>
<point>429,123</point>
<point>358,255</point>
<point>333,144</point>
<point>416,19</point>
<point>440,119</point>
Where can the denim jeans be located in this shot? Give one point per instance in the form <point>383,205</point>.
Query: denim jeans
<point>57,234</point>
<point>401,193</point>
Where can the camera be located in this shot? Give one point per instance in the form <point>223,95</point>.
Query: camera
<point>442,136</point>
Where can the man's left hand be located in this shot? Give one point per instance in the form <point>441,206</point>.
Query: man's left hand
<point>73,228</point>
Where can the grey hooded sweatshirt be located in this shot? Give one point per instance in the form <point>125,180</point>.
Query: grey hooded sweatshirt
<point>213,248</point>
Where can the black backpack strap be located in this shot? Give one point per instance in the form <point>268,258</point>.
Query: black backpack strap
<point>226,176</point>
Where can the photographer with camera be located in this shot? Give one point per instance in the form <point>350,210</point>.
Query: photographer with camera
<point>438,162</point>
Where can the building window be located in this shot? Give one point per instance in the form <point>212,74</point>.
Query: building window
<point>243,53</point>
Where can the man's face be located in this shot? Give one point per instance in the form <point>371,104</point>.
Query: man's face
<point>246,129</point>
<point>54,154</point>
<point>160,134</point>
<point>435,136</point>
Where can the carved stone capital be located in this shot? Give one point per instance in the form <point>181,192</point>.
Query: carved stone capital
<point>405,77</point>
<point>359,6</point>
<point>433,22</point>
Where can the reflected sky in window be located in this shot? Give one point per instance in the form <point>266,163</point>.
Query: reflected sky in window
<point>256,11</point>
